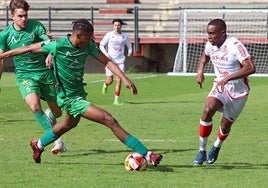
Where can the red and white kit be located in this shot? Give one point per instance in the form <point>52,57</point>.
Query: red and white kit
<point>226,61</point>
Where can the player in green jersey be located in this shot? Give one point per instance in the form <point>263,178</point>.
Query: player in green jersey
<point>70,54</point>
<point>34,78</point>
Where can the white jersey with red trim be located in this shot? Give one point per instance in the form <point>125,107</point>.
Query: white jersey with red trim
<point>226,61</point>
<point>113,45</point>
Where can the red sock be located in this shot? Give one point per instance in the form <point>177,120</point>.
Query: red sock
<point>222,136</point>
<point>205,128</point>
<point>117,93</point>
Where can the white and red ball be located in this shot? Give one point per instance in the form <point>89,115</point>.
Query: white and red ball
<point>135,162</point>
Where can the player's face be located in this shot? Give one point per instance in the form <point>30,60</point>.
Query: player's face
<point>215,35</point>
<point>20,18</point>
<point>117,27</point>
<point>84,39</point>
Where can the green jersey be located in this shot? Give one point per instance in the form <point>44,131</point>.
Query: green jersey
<point>10,38</point>
<point>69,63</point>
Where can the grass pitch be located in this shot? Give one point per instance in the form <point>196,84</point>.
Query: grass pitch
<point>164,116</point>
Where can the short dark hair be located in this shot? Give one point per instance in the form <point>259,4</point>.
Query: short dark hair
<point>118,20</point>
<point>219,23</point>
<point>18,4</point>
<point>83,25</point>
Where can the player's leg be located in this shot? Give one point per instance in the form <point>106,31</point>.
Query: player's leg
<point>53,113</point>
<point>33,101</point>
<point>52,135</point>
<point>31,92</point>
<point>117,91</point>
<point>223,132</point>
<point>99,115</point>
<point>205,128</point>
<point>230,113</point>
<point>49,94</point>
<point>118,85</point>
<point>108,81</point>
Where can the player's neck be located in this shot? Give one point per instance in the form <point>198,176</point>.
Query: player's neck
<point>117,32</point>
<point>17,28</point>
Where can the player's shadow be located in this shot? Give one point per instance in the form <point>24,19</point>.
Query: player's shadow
<point>101,152</point>
<point>162,167</point>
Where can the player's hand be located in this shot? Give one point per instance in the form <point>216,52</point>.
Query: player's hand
<point>220,85</point>
<point>200,79</point>
<point>132,87</point>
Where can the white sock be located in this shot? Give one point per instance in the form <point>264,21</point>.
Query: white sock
<point>116,98</point>
<point>147,156</point>
<point>203,143</point>
<point>218,143</point>
<point>58,141</point>
<point>39,144</point>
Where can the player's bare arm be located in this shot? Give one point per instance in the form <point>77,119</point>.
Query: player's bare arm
<point>200,70</point>
<point>34,48</point>
<point>247,69</point>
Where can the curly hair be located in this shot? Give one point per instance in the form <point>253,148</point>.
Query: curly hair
<point>82,25</point>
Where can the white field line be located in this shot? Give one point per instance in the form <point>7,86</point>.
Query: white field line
<point>135,78</point>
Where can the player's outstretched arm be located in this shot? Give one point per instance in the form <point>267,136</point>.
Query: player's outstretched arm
<point>114,68</point>
<point>34,48</point>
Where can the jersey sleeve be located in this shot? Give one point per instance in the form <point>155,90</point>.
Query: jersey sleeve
<point>104,43</point>
<point>241,51</point>
<point>206,50</point>
<point>49,47</point>
<point>42,32</point>
<point>3,45</point>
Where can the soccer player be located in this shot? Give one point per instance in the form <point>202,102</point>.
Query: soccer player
<point>232,65</point>
<point>70,55</point>
<point>113,46</point>
<point>34,79</point>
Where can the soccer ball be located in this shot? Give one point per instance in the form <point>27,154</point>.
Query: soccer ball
<point>135,162</point>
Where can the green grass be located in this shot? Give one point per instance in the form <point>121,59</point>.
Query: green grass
<point>165,116</point>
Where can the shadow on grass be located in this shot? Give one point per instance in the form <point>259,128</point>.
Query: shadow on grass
<point>2,120</point>
<point>160,168</point>
<point>101,152</point>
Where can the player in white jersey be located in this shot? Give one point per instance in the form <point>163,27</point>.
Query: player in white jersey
<point>113,46</point>
<point>232,64</point>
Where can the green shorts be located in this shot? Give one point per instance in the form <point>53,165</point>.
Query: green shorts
<point>42,84</point>
<point>75,106</point>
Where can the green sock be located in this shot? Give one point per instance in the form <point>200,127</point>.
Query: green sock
<point>136,145</point>
<point>49,137</point>
<point>42,120</point>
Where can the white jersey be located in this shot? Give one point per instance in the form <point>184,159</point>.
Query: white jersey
<point>227,60</point>
<point>113,45</point>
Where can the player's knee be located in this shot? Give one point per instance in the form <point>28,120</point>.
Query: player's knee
<point>109,120</point>
<point>34,107</point>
